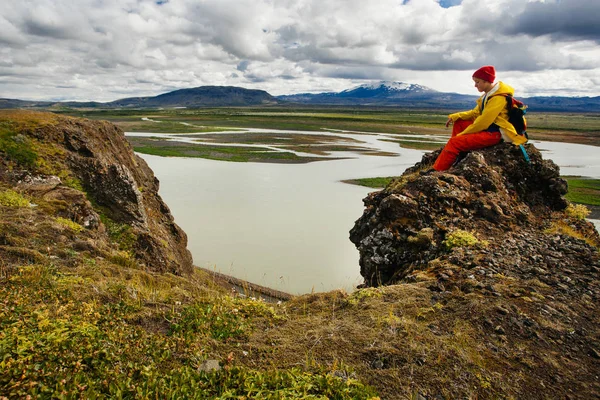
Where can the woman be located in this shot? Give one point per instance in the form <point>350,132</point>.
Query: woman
<point>485,125</point>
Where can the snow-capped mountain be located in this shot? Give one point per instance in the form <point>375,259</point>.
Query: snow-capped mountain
<point>409,95</point>
<point>387,89</point>
<point>386,93</point>
<point>389,86</point>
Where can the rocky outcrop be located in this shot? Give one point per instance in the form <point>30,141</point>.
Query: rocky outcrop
<point>497,247</point>
<point>91,168</point>
<point>513,210</point>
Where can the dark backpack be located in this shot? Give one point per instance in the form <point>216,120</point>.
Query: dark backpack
<point>516,115</point>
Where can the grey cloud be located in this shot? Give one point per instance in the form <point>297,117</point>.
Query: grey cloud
<point>346,72</point>
<point>149,45</point>
<point>48,30</point>
<point>563,20</point>
<point>10,35</point>
<point>243,65</point>
<point>255,78</point>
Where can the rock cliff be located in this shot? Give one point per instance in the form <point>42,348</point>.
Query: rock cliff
<point>86,172</point>
<point>511,211</point>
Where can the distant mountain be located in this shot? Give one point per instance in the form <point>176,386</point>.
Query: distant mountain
<point>203,96</point>
<point>563,104</point>
<point>388,94</point>
<point>408,95</point>
<point>13,103</point>
<point>388,90</point>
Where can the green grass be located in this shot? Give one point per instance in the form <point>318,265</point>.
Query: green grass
<point>375,183</point>
<point>18,148</point>
<point>563,127</point>
<point>306,116</point>
<point>563,121</point>
<point>223,153</point>
<point>308,119</point>
<point>166,127</point>
<point>315,144</point>
<point>119,233</point>
<point>418,144</point>
<point>59,341</point>
<point>583,190</point>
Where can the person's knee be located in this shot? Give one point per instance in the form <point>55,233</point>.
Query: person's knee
<point>451,146</point>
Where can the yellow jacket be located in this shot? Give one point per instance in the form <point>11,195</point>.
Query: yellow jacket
<point>494,112</point>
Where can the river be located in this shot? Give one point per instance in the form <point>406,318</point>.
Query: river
<point>286,226</point>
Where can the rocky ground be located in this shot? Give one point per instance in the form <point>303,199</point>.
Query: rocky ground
<point>497,228</point>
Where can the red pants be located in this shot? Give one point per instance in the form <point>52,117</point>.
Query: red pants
<point>457,144</point>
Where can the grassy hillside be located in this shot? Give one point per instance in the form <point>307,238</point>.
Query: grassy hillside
<point>81,317</point>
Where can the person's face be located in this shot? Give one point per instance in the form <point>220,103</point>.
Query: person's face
<point>482,85</point>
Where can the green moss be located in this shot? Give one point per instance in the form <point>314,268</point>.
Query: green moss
<point>71,182</point>
<point>360,295</point>
<point>460,238</point>
<point>74,226</point>
<point>10,198</point>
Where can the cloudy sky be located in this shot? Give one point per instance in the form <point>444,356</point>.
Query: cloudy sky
<point>104,50</point>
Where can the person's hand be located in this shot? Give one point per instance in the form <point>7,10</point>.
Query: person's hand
<point>449,122</point>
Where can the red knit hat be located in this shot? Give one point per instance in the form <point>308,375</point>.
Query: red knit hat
<point>487,73</point>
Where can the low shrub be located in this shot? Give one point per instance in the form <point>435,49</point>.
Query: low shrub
<point>17,147</point>
<point>577,211</point>
<point>122,234</point>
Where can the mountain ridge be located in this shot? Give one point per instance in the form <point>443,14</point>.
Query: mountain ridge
<point>400,94</point>
<point>381,93</point>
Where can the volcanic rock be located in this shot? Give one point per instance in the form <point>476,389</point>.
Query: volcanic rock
<point>512,210</point>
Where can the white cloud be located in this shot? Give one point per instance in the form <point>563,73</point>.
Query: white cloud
<point>107,49</point>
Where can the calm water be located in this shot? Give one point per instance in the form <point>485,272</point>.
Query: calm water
<point>287,226</point>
